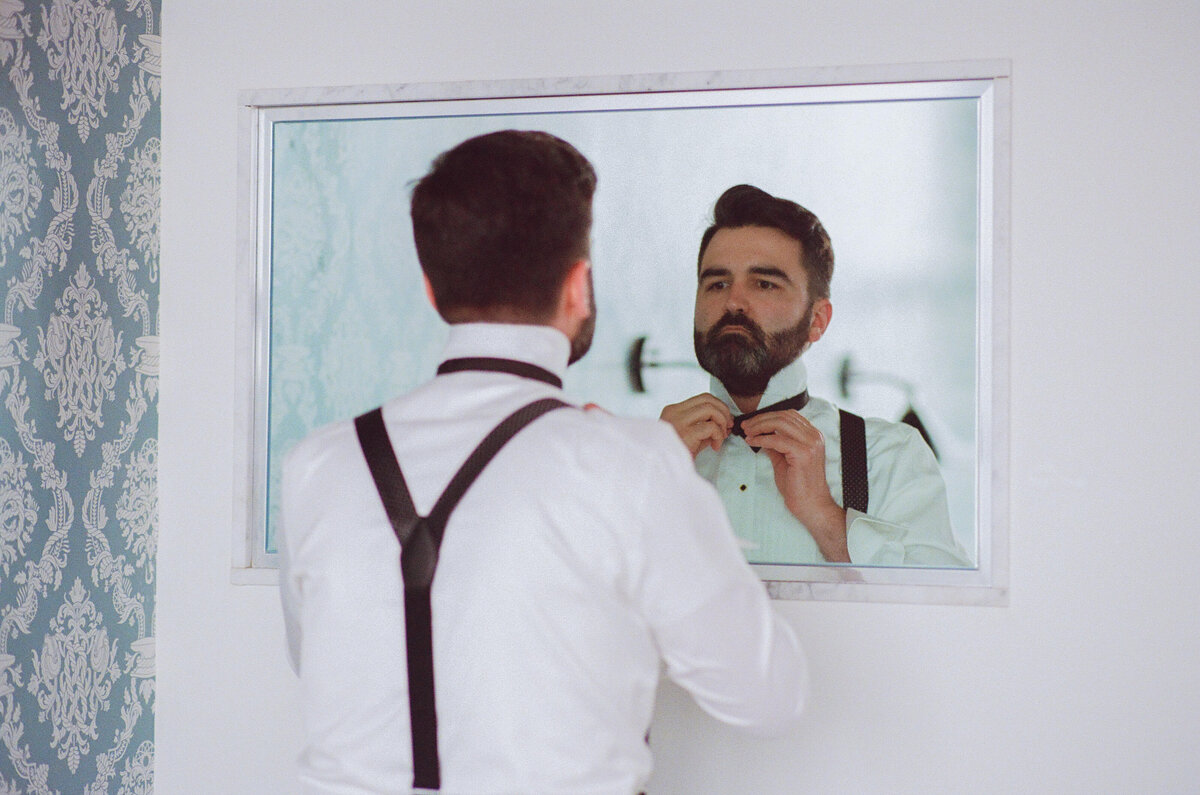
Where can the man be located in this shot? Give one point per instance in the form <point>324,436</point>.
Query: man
<point>587,552</point>
<point>774,453</point>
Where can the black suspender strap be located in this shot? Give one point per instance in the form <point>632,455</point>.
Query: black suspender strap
<point>854,461</point>
<point>397,501</point>
<point>420,539</point>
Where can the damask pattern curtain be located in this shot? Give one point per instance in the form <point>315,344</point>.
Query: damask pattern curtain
<point>79,230</point>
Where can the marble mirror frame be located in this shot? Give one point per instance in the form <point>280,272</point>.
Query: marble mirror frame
<point>985,81</point>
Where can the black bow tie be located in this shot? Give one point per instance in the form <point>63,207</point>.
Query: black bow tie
<point>795,402</point>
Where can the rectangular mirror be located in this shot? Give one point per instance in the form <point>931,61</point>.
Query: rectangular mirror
<point>905,166</point>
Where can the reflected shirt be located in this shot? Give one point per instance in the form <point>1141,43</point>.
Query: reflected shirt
<point>587,552</point>
<point>908,520</point>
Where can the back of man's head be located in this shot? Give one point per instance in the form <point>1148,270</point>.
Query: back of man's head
<point>746,205</point>
<point>498,222</point>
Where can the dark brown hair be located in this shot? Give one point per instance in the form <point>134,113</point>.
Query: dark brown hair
<point>499,220</point>
<point>746,205</point>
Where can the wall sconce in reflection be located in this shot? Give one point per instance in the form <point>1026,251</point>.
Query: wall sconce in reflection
<point>637,358</point>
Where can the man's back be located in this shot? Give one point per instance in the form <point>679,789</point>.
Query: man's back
<point>584,551</point>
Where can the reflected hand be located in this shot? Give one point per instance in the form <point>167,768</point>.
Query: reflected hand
<point>701,421</point>
<point>797,452</point>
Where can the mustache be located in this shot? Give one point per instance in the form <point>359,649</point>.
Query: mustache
<point>730,320</point>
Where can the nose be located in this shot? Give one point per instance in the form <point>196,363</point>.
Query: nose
<point>735,299</point>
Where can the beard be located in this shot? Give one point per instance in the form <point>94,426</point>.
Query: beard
<point>745,363</point>
<point>581,343</point>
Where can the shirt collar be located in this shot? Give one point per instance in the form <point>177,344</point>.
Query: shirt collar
<point>788,382</point>
<point>544,346</point>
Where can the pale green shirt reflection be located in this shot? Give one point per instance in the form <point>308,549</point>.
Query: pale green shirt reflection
<point>907,524</point>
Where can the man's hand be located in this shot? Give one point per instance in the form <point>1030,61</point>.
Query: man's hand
<point>701,421</point>
<point>797,452</point>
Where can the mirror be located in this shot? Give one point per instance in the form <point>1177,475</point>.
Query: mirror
<point>900,164</point>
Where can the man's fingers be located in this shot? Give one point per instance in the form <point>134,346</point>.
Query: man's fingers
<point>774,442</point>
<point>712,435</point>
<point>709,407</point>
<point>701,421</point>
<point>703,434</point>
<point>787,424</point>
<point>777,419</point>
<point>709,414</point>
<point>788,451</point>
<point>702,408</point>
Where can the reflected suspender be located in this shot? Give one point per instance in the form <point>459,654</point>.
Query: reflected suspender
<point>420,539</point>
<point>854,461</point>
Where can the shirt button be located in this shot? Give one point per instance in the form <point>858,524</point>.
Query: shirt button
<point>742,487</point>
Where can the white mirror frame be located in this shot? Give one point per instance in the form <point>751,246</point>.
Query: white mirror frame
<point>987,80</point>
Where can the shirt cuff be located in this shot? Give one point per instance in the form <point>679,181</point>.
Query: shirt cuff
<point>873,542</point>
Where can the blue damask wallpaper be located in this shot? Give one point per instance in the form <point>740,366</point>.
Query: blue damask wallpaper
<point>79,230</point>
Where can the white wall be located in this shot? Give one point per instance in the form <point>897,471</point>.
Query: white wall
<point>1087,682</point>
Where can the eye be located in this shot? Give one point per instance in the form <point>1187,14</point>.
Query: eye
<point>763,284</point>
<point>715,284</point>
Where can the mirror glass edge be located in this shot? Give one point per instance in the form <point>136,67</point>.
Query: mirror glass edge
<point>985,584</point>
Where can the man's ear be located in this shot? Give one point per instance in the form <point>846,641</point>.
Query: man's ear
<point>575,301</point>
<point>822,314</point>
<point>429,292</point>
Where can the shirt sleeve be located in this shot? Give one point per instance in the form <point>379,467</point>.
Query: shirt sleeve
<point>289,583</point>
<point>909,519</point>
<point>720,636</point>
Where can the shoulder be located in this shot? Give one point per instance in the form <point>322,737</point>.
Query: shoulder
<point>616,460</point>
<point>330,446</point>
<point>882,435</point>
<point>629,439</point>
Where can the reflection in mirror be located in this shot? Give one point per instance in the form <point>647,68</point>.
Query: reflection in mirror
<point>776,452</point>
<point>897,174</point>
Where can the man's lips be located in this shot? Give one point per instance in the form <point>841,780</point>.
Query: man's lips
<point>745,330</point>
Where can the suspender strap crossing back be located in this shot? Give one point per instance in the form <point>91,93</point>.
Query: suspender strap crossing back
<point>854,461</point>
<point>420,540</point>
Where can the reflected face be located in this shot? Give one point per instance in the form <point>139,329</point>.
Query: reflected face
<point>754,315</point>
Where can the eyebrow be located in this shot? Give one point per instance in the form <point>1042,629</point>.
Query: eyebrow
<point>714,271</point>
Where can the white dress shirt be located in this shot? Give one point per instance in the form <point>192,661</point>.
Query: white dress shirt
<point>908,523</point>
<point>585,553</point>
